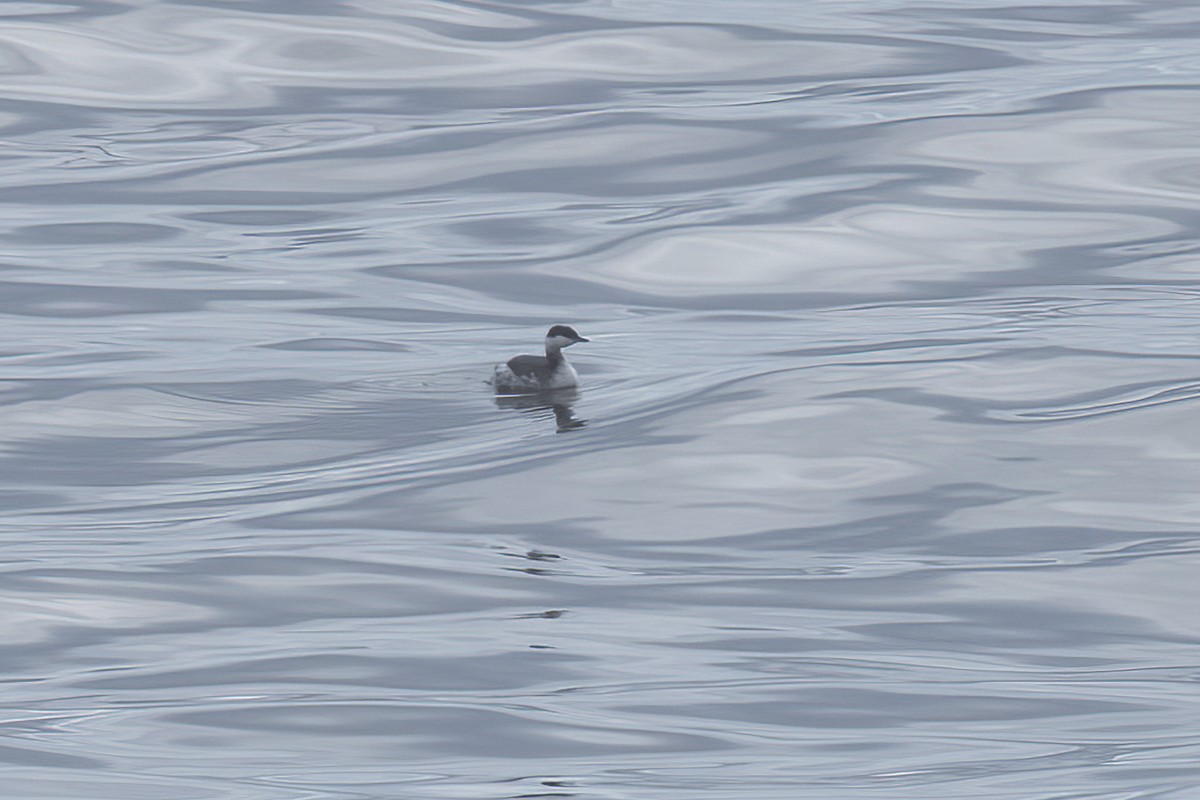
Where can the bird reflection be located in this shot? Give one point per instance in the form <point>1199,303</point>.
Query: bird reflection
<point>557,401</point>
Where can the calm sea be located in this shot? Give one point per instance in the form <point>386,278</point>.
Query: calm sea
<point>881,481</point>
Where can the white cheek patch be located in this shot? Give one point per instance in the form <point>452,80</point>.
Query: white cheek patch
<point>558,341</point>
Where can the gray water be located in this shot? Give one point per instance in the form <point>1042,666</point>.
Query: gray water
<point>881,481</point>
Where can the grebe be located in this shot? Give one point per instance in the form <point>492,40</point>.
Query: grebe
<point>540,373</point>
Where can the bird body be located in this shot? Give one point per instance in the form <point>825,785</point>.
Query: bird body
<point>527,373</point>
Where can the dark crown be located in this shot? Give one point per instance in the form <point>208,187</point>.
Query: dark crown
<point>565,331</point>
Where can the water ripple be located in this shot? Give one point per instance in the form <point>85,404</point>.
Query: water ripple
<point>886,479</point>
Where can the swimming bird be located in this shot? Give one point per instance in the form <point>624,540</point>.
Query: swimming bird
<point>526,373</point>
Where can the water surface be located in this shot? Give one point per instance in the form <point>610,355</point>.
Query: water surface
<point>880,482</point>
